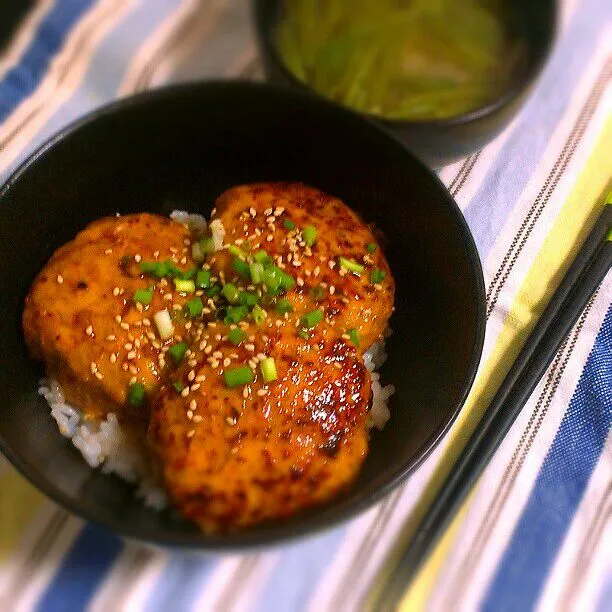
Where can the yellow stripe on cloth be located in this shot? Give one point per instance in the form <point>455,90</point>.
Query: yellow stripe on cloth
<point>20,502</point>
<point>570,229</point>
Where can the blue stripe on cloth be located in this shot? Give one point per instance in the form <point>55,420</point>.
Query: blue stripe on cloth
<point>605,596</point>
<point>560,485</point>
<point>300,566</point>
<point>21,80</point>
<point>106,70</point>
<point>183,580</point>
<point>514,164</point>
<point>81,572</point>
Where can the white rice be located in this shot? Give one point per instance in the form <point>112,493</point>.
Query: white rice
<point>373,359</point>
<point>104,445</point>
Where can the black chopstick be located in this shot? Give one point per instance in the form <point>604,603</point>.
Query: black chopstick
<point>580,282</point>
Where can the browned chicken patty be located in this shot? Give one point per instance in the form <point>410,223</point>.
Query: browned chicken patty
<point>272,216</point>
<point>256,399</point>
<point>234,457</point>
<point>81,319</point>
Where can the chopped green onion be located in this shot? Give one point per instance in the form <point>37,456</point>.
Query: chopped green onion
<point>238,376</point>
<point>136,394</point>
<point>247,298</point>
<point>261,257</point>
<point>230,293</point>
<point>288,224</point>
<point>235,314</point>
<point>286,281</point>
<point>202,279</point>
<point>241,267</point>
<point>160,269</point>
<point>256,272</point>
<point>350,265</point>
<point>207,245</point>
<point>317,293</point>
<point>302,333</point>
<point>311,319</point>
<point>377,276</point>
<point>371,247</point>
<point>164,324</point>
<point>194,307</point>
<point>236,336</point>
<point>177,351</point>
<point>268,369</point>
<point>271,278</point>
<point>309,235</point>
<point>259,314</point>
<point>214,290</point>
<point>236,251</point>
<point>143,296</point>
<point>354,336</point>
<point>283,305</point>
<point>188,274</point>
<point>178,386</point>
<point>184,286</point>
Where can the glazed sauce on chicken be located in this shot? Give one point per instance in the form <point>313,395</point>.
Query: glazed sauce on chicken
<point>240,365</point>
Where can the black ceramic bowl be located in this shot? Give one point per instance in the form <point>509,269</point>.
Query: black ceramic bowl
<point>442,141</point>
<point>180,148</point>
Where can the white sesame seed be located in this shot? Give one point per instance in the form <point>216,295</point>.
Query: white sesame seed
<point>108,252</point>
<point>217,354</point>
<point>270,238</point>
<point>332,290</point>
<point>111,337</point>
<point>125,325</point>
<point>193,405</point>
<point>246,392</point>
<point>128,346</point>
<point>195,386</point>
<point>93,366</point>
<point>89,330</point>
<point>185,392</point>
<point>131,355</point>
<point>262,392</point>
<point>133,380</point>
<point>133,369</point>
<point>191,433</point>
<point>116,291</point>
<point>300,281</point>
<point>201,378</point>
<point>198,418</point>
<point>98,375</point>
<point>226,362</point>
<point>60,279</point>
<point>112,358</point>
<point>377,286</point>
<point>137,258</point>
<point>190,414</point>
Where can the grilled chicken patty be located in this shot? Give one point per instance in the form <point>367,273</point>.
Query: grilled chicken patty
<point>252,385</point>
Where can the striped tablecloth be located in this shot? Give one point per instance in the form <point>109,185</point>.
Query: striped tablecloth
<point>536,533</point>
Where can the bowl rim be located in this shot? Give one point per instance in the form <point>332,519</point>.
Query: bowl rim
<point>327,517</point>
<point>516,90</point>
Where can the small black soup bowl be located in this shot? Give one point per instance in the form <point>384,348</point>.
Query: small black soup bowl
<point>179,148</point>
<point>442,141</point>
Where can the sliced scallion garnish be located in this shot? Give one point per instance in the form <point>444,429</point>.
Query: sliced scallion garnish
<point>136,394</point>
<point>164,324</point>
<point>259,314</point>
<point>283,305</point>
<point>351,265</point>
<point>241,267</point>
<point>184,285</point>
<point>202,279</point>
<point>194,307</point>
<point>268,369</point>
<point>236,336</point>
<point>230,292</point>
<point>238,376</point>
<point>311,319</point>
<point>377,276</point>
<point>143,296</point>
<point>309,235</point>
<point>177,352</point>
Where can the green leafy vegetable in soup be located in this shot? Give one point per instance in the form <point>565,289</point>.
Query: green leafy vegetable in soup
<point>402,59</point>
